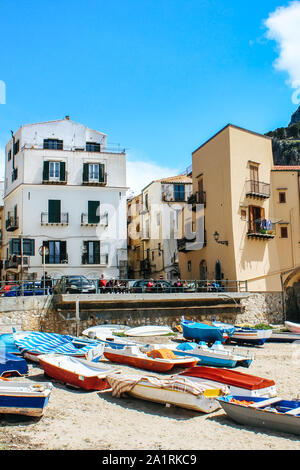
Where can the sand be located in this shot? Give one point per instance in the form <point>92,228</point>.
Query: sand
<point>79,420</point>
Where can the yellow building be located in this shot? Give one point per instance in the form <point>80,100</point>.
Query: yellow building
<point>153,218</point>
<point>249,212</point>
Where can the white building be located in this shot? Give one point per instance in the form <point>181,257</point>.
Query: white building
<point>66,190</point>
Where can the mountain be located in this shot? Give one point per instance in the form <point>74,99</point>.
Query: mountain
<point>286,142</point>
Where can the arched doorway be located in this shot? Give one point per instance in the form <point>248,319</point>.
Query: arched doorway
<point>203,270</point>
<point>218,271</point>
<point>291,288</point>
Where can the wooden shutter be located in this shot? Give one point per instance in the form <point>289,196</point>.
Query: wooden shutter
<point>46,171</point>
<point>46,245</point>
<point>93,212</point>
<point>97,252</point>
<point>85,175</point>
<point>63,251</point>
<point>28,247</point>
<point>54,211</point>
<point>101,173</point>
<point>62,176</point>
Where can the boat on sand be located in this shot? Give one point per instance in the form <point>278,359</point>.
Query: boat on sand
<point>159,360</point>
<point>273,414</point>
<point>293,327</point>
<point>250,335</point>
<point>78,372</point>
<point>149,330</point>
<point>177,391</point>
<point>238,382</point>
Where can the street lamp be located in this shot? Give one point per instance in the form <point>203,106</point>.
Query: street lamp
<point>216,237</point>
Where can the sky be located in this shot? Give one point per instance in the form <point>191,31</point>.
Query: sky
<point>158,77</point>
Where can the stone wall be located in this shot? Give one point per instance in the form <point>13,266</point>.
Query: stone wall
<point>39,314</point>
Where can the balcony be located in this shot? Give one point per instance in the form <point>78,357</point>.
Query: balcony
<point>199,197</point>
<point>15,261</point>
<point>94,182</point>
<point>257,189</point>
<point>87,221</point>
<point>59,219</point>
<point>261,229</point>
<point>12,224</point>
<point>101,260</point>
<point>184,244</point>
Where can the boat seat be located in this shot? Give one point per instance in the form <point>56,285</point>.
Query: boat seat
<point>217,346</point>
<point>203,345</point>
<point>259,404</point>
<point>295,411</point>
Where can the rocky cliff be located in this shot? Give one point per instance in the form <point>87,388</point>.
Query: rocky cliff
<point>286,142</point>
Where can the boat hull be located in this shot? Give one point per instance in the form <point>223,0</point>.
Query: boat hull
<point>251,336</point>
<point>259,417</point>
<point>148,331</point>
<point>17,399</point>
<point>84,375</point>
<point>293,327</point>
<point>201,332</point>
<point>10,364</point>
<point>215,361</point>
<point>155,365</point>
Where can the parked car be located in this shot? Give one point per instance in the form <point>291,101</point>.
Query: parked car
<point>159,286</point>
<point>75,285</point>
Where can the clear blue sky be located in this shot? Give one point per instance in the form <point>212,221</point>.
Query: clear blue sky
<point>159,77</point>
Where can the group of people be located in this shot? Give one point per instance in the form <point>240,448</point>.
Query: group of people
<point>111,285</point>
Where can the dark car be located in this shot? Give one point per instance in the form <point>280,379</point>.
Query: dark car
<point>76,285</point>
<point>153,287</point>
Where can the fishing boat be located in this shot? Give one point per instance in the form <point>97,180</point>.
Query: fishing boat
<point>159,360</point>
<point>273,414</point>
<point>10,364</point>
<point>177,391</point>
<point>216,355</point>
<point>224,327</point>
<point>250,335</point>
<point>238,383</point>
<point>32,344</point>
<point>197,331</point>
<point>293,327</point>
<point>7,343</point>
<point>149,330</point>
<point>24,398</point>
<point>77,372</point>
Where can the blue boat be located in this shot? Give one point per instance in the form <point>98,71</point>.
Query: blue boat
<point>32,344</point>
<point>216,355</point>
<point>7,343</point>
<point>201,332</point>
<point>10,364</point>
<point>225,327</point>
<point>24,398</point>
<point>248,335</point>
<point>273,414</point>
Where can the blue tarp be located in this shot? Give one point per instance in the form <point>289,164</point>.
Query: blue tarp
<point>9,363</point>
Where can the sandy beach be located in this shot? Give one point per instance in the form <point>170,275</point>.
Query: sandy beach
<point>79,420</point>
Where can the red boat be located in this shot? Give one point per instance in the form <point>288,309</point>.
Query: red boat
<point>77,372</point>
<point>238,383</point>
<point>158,360</point>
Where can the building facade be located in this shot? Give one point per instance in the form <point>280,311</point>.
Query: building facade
<point>153,218</point>
<point>65,197</point>
<point>249,211</point>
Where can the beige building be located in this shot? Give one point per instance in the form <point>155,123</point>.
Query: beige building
<point>249,211</point>
<point>153,218</point>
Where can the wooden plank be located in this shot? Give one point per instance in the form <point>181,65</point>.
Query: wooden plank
<point>295,411</point>
<point>259,404</point>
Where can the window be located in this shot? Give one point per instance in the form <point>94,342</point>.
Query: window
<point>9,155</point>
<point>16,147</point>
<point>282,197</point>
<point>283,232</point>
<point>93,173</point>
<point>146,201</point>
<point>54,172</point>
<point>54,212</point>
<point>189,266</point>
<point>256,215</point>
<point>92,147</point>
<point>91,252</point>
<point>93,212</point>
<point>179,192</point>
<point>54,144</point>
<point>254,178</point>
<point>243,214</point>
<point>56,253</point>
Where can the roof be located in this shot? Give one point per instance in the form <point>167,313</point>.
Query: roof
<point>176,179</point>
<point>234,127</point>
<point>286,168</point>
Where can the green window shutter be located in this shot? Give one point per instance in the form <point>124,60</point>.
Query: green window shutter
<point>54,211</point>
<point>101,172</point>
<point>93,212</point>
<point>97,252</point>
<point>63,251</point>
<point>14,246</point>
<point>62,176</point>
<point>46,171</point>
<point>85,253</point>
<point>46,245</point>
<point>85,175</point>
<point>28,246</point>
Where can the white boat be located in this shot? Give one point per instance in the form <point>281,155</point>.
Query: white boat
<point>293,327</point>
<point>178,391</point>
<point>149,330</point>
<point>24,398</point>
<point>251,335</point>
<point>104,331</point>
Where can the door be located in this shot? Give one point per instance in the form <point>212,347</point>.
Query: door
<point>254,178</point>
<point>54,211</point>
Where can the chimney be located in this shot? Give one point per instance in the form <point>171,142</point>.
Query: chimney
<point>67,117</point>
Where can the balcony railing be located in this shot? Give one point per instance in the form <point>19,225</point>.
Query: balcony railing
<point>60,219</point>
<point>100,220</point>
<point>112,148</point>
<point>199,197</point>
<point>261,229</point>
<point>15,261</point>
<point>94,182</point>
<point>12,223</point>
<point>257,189</point>
<point>184,244</point>
<point>100,260</point>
